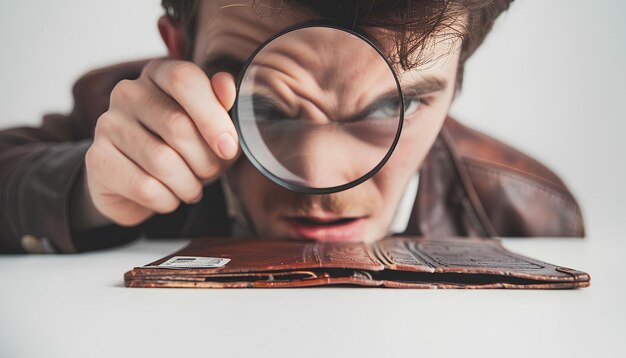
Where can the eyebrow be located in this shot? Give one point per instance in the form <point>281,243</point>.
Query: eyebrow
<point>223,63</point>
<point>428,84</point>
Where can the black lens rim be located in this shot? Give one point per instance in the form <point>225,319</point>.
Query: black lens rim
<point>301,188</point>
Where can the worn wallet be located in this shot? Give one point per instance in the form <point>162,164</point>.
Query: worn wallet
<point>398,262</point>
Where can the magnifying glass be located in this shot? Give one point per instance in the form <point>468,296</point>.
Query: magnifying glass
<point>319,109</point>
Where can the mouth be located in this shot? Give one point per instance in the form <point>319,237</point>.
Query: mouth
<point>327,228</point>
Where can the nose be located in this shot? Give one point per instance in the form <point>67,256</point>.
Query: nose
<point>326,157</point>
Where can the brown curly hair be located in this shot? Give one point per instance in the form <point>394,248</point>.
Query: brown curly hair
<point>414,24</point>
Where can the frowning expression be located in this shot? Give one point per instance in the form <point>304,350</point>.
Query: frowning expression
<point>342,86</point>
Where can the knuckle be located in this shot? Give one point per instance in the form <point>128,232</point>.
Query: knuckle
<point>137,137</point>
<point>182,70</point>
<point>105,124</point>
<point>97,155</point>
<point>148,191</point>
<point>123,91</point>
<point>209,171</point>
<point>179,126</point>
<point>150,67</point>
<point>163,158</point>
<point>164,155</point>
<point>185,75</point>
<point>92,156</point>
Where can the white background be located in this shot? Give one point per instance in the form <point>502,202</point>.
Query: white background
<point>548,80</point>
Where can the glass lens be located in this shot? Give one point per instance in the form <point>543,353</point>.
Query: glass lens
<point>318,107</point>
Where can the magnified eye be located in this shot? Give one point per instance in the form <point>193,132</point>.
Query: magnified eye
<point>269,114</point>
<point>265,110</point>
<point>411,105</point>
<point>391,108</point>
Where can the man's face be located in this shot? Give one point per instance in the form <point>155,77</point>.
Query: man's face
<point>227,35</point>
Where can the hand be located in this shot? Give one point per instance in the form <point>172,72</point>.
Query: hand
<point>165,135</point>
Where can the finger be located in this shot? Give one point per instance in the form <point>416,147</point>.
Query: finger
<point>224,88</point>
<point>188,85</point>
<point>121,176</point>
<point>123,211</point>
<point>158,159</point>
<point>163,116</point>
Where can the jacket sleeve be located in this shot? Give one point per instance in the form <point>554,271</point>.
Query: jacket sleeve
<point>39,167</point>
<point>513,194</point>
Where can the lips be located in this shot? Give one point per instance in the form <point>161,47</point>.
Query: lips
<point>327,228</point>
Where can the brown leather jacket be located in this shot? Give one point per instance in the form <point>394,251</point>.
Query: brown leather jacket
<point>470,185</point>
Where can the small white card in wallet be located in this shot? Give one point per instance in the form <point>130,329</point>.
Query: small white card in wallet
<point>193,262</point>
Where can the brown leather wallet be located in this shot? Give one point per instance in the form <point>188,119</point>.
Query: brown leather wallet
<point>399,262</point>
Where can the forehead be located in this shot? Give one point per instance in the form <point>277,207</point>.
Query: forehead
<point>229,32</point>
<point>235,30</point>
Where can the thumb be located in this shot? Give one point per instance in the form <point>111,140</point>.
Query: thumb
<point>223,84</point>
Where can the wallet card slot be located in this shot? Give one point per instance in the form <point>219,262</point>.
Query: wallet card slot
<point>263,276</point>
<point>291,276</point>
<point>462,279</point>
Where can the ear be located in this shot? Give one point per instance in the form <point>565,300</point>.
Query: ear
<point>173,35</point>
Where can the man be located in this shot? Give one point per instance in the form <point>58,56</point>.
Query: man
<point>164,159</point>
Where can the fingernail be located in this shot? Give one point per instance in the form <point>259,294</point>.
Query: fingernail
<point>227,145</point>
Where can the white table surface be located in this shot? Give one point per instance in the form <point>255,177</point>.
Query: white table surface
<point>77,306</point>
